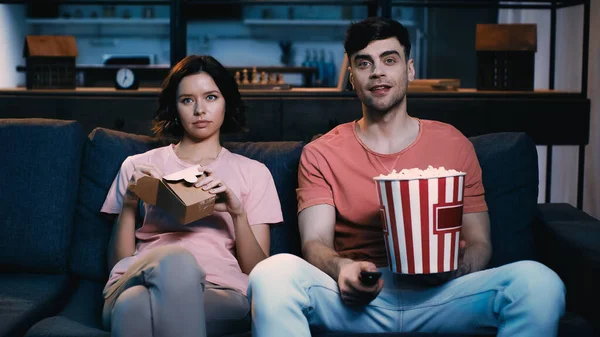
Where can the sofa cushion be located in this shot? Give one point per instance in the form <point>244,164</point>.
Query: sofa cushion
<point>40,175</point>
<point>26,298</point>
<point>281,158</point>
<point>103,154</point>
<point>81,317</point>
<point>510,178</point>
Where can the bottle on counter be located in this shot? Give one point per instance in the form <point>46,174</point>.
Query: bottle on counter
<point>306,61</point>
<point>332,70</point>
<point>314,62</point>
<point>323,71</point>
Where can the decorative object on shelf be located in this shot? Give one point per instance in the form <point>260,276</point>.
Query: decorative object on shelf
<point>94,15</point>
<point>245,77</point>
<point>126,79</point>
<point>505,56</point>
<point>255,79</point>
<point>260,80</point>
<point>50,62</point>
<point>263,77</point>
<point>126,14</point>
<point>287,55</point>
<point>109,11</point>
<point>148,12</point>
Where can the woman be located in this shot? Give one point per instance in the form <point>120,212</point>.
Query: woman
<point>168,279</point>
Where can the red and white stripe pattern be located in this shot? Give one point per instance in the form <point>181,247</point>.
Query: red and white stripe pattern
<point>421,223</point>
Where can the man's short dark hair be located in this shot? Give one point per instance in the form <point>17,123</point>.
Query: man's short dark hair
<point>360,34</point>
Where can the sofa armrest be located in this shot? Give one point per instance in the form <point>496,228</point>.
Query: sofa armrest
<point>568,241</point>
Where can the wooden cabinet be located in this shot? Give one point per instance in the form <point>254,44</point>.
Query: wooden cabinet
<point>300,116</point>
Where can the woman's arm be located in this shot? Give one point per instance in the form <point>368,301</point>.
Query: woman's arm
<point>252,242</point>
<point>122,239</point>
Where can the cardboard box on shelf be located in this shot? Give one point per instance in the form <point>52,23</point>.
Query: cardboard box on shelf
<point>177,195</point>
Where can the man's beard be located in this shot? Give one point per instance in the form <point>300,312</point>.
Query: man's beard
<point>382,110</point>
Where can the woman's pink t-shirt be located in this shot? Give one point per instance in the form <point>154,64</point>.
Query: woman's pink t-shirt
<point>211,239</point>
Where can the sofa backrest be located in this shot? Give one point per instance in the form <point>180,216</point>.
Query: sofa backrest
<point>510,177</point>
<point>38,191</point>
<point>282,159</point>
<point>508,161</point>
<point>104,152</point>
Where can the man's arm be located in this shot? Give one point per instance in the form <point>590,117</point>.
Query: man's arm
<point>317,228</point>
<point>476,247</point>
<point>316,225</point>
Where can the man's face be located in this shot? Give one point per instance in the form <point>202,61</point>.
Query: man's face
<point>380,74</point>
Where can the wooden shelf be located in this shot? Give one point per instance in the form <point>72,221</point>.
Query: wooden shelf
<point>304,22</point>
<point>521,96</point>
<point>99,21</point>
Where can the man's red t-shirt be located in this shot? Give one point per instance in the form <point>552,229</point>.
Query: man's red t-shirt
<point>338,169</point>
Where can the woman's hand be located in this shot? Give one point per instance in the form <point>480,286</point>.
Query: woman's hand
<point>141,170</point>
<point>226,201</point>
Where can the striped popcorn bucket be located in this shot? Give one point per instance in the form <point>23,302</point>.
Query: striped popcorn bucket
<point>421,221</point>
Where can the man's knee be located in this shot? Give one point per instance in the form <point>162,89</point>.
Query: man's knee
<point>275,272</point>
<point>538,286</point>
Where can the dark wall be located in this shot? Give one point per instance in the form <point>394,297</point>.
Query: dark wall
<point>451,42</point>
<point>300,118</point>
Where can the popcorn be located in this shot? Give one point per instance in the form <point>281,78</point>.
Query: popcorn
<point>421,212</point>
<point>416,173</point>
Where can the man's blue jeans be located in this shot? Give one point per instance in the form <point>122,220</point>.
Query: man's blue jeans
<point>290,297</point>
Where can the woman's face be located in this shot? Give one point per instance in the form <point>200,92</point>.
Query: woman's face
<point>201,106</point>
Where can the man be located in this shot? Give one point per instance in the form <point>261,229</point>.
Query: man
<point>341,231</point>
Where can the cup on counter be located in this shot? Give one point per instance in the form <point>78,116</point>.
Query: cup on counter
<point>422,219</point>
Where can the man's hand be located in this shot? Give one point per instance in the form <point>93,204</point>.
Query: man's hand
<point>464,267</point>
<point>352,290</point>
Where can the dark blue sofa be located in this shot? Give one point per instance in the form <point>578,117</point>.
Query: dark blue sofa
<point>53,239</point>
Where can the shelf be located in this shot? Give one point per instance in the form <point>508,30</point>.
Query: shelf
<point>461,95</point>
<point>529,4</point>
<point>283,2</point>
<point>99,21</point>
<point>305,22</point>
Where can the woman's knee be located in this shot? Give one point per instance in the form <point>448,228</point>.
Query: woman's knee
<point>176,268</point>
<point>179,261</point>
<point>132,307</point>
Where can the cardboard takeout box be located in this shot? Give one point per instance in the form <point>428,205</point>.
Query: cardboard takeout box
<point>177,195</point>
